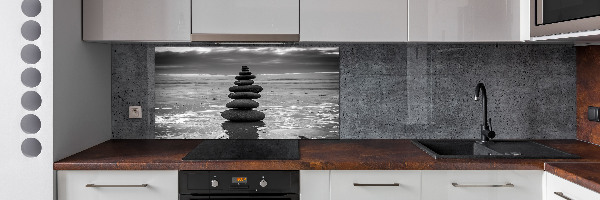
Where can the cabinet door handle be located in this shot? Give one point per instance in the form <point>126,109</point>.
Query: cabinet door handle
<point>362,184</point>
<point>560,194</point>
<point>94,185</point>
<point>505,185</point>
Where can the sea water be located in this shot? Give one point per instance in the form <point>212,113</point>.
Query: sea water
<point>296,105</point>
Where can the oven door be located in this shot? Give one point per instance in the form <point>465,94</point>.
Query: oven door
<point>236,197</point>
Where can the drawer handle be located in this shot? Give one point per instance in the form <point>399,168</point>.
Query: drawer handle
<point>560,194</point>
<point>505,185</point>
<point>362,184</point>
<point>94,185</point>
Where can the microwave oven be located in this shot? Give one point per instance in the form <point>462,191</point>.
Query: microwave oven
<point>564,17</point>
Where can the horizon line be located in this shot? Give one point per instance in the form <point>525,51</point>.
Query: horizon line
<point>253,74</point>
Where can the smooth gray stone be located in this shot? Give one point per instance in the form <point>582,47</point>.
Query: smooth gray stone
<point>242,103</point>
<point>246,88</point>
<point>243,115</point>
<point>244,82</point>
<point>245,77</point>
<point>244,95</point>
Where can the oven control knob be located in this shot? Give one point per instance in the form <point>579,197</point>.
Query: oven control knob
<point>263,183</point>
<point>214,183</point>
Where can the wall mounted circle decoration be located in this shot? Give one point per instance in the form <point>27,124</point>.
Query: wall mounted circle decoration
<point>31,8</point>
<point>31,124</point>
<point>31,30</point>
<point>31,147</point>
<point>31,54</point>
<point>31,77</point>
<point>31,100</point>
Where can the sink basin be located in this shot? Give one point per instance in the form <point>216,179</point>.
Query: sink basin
<point>495,149</point>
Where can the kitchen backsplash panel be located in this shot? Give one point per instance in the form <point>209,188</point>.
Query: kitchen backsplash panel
<point>407,90</point>
<point>246,93</point>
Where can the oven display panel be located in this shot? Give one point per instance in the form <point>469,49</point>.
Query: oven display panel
<point>239,180</point>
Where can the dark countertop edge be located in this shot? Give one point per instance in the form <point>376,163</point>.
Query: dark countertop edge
<point>293,166</point>
<point>94,158</point>
<point>80,163</point>
<point>579,179</point>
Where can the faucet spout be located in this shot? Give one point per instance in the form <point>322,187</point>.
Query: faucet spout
<point>481,88</point>
<point>486,132</point>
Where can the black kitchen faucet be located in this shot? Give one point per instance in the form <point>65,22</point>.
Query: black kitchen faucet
<point>486,129</point>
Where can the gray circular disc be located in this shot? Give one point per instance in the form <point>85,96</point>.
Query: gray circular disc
<point>31,54</point>
<point>31,30</point>
<point>31,77</point>
<point>31,100</point>
<point>31,147</point>
<point>31,8</point>
<point>30,124</point>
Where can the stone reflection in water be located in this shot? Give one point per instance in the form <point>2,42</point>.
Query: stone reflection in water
<point>242,130</point>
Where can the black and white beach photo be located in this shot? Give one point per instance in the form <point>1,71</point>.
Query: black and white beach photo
<point>246,93</point>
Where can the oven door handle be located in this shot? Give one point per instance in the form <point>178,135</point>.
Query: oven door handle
<point>191,197</point>
<point>251,197</point>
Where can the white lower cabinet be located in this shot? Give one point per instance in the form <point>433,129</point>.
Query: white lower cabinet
<point>561,189</point>
<point>482,184</point>
<point>314,184</point>
<point>117,185</point>
<point>375,185</point>
<point>341,185</point>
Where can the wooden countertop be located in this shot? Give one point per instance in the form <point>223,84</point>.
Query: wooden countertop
<point>581,173</point>
<point>314,155</point>
<point>332,155</point>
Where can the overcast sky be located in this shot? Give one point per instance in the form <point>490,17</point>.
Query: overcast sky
<point>229,60</point>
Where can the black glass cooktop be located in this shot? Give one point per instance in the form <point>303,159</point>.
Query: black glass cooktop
<point>245,150</point>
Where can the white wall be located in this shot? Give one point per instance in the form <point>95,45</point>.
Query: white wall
<point>82,84</point>
<point>75,92</point>
<point>24,177</point>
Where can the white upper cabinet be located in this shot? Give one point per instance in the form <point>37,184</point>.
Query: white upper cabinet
<point>307,20</point>
<point>241,20</point>
<point>468,20</point>
<point>136,20</point>
<point>354,20</point>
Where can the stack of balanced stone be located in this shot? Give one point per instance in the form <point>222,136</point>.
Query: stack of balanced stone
<point>242,95</point>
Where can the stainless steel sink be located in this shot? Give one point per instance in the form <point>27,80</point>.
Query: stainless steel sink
<point>493,149</point>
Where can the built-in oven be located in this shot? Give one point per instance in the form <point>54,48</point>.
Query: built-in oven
<point>234,185</point>
<point>554,17</point>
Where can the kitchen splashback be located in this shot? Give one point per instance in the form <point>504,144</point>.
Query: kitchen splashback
<point>406,90</point>
<point>246,93</point>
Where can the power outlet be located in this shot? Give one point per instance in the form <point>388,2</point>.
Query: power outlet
<point>135,112</point>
